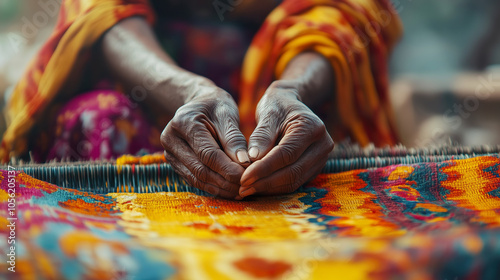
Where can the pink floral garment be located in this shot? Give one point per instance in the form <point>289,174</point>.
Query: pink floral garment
<point>100,124</point>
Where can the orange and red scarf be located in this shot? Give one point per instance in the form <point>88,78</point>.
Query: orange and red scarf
<point>355,35</point>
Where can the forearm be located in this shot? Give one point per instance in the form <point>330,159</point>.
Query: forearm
<point>313,77</point>
<point>135,58</point>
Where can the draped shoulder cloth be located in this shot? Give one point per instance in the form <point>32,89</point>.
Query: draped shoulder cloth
<point>354,35</point>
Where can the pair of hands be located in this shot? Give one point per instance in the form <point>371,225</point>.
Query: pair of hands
<point>289,146</point>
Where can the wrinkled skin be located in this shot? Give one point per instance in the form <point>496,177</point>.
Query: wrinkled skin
<point>302,148</point>
<point>202,140</point>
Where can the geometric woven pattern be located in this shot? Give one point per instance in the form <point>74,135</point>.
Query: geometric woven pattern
<point>421,221</point>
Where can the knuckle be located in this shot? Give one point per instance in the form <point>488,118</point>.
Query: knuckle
<point>179,116</point>
<point>196,183</point>
<point>192,180</point>
<point>186,117</point>
<point>200,172</point>
<point>208,156</point>
<point>306,123</point>
<point>287,154</point>
<point>226,110</point>
<point>234,138</point>
<point>169,157</point>
<point>177,123</point>
<point>165,137</point>
<point>270,110</point>
<point>262,134</point>
<point>295,173</point>
<point>266,107</point>
<point>326,144</point>
<point>319,130</point>
<point>189,177</point>
<point>330,144</point>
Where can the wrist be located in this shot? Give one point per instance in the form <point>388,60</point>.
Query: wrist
<point>183,86</point>
<point>199,87</point>
<point>204,89</point>
<point>313,76</point>
<point>285,89</point>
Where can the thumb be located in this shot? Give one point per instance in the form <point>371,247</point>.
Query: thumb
<point>233,142</point>
<point>263,138</point>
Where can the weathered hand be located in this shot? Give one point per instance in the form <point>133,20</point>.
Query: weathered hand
<point>289,146</point>
<point>204,144</point>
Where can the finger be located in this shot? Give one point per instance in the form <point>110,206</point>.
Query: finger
<point>263,138</point>
<point>195,182</point>
<point>289,150</point>
<point>181,151</point>
<point>230,137</point>
<point>291,177</point>
<point>202,142</point>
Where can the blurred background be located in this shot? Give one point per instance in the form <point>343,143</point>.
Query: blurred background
<point>444,74</point>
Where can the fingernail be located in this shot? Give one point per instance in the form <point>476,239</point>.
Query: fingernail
<point>253,152</point>
<point>242,156</point>
<point>247,192</point>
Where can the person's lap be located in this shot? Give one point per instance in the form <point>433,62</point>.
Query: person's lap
<point>100,124</point>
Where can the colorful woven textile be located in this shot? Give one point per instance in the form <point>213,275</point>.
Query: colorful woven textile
<point>421,221</point>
